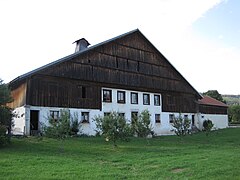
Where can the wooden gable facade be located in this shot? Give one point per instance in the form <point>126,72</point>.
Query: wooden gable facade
<point>128,61</point>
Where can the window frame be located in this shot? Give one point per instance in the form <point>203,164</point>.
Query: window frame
<point>134,115</point>
<point>106,114</point>
<point>158,121</point>
<point>83,120</point>
<point>120,95</point>
<point>148,99</point>
<point>53,116</point>
<point>121,115</point>
<point>134,93</point>
<point>171,118</point>
<point>105,99</point>
<point>159,103</point>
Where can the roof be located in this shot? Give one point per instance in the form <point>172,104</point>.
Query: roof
<point>207,100</point>
<point>29,74</point>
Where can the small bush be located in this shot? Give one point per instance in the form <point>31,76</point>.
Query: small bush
<point>113,127</point>
<point>181,125</point>
<point>141,124</point>
<point>64,126</point>
<point>74,126</point>
<point>207,126</point>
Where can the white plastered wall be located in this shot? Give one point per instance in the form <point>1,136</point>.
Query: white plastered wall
<point>22,121</point>
<point>220,121</point>
<point>19,121</point>
<point>166,128</point>
<point>127,107</point>
<point>85,128</point>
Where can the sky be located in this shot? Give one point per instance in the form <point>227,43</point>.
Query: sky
<point>201,38</point>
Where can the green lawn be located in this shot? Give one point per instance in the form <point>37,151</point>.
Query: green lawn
<point>168,157</point>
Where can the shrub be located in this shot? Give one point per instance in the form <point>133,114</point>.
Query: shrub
<point>181,125</point>
<point>75,126</point>
<point>234,113</point>
<point>63,127</point>
<point>4,139</point>
<point>113,127</point>
<point>207,126</point>
<point>141,124</point>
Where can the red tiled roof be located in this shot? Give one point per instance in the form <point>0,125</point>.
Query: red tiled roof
<point>206,100</point>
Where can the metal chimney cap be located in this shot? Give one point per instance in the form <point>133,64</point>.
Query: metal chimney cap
<point>82,39</point>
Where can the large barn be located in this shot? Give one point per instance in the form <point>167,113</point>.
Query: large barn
<point>126,74</point>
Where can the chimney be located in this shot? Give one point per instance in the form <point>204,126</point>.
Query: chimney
<point>81,44</point>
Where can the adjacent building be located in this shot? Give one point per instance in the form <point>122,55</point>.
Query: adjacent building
<point>126,74</point>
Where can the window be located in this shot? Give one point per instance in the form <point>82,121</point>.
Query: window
<point>134,98</point>
<point>83,92</point>
<point>146,99</point>
<point>157,118</point>
<point>121,115</point>
<point>106,113</point>
<point>121,97</point>
<point>171,118</point>
<point>107,95</point>
<point>193,120</point>
<point>157,100</point>
<point>54,115</point>
<point>185,117</point>
<point>85,117</point>
<point>134,116</point>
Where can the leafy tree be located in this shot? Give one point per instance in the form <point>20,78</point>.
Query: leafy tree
<point>214,94</point>
<point>113,127</point>
<point>207,126</point>
<point>181,125</point>
<point>5,94</point>
<point>5,114</point>
<point>141,124</point>
<point>234,113</point>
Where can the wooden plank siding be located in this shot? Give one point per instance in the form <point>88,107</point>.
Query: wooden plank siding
<point>129,62</point>
<point>62,92</point>
<point>208,109</point>
<point>18,94</point>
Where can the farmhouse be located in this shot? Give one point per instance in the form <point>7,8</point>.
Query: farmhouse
<point>126,74</point>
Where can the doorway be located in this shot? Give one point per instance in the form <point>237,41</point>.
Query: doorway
<point>34,121</point>
<point>193,120</point>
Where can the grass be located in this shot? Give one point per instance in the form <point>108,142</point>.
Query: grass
<point>168,157</point>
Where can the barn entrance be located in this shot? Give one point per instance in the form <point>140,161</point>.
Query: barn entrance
<point>193,120</point>
<point>34,121</point>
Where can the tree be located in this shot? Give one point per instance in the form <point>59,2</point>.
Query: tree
<point>234,113</point>
<point>214,94</point>
<point>141,124</point>
<point>113,127</point>
<point>207,126</point>
<point>181,125</point>
<point>5,114</point>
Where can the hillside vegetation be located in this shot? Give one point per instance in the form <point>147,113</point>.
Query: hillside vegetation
<point>232,99</point>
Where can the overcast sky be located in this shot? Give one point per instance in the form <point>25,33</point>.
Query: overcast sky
<point>201,38</point>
